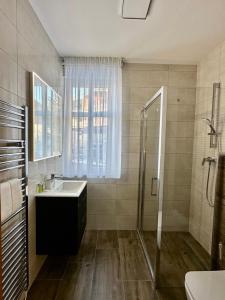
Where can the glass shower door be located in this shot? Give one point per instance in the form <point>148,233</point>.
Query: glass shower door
<point>151,178</point>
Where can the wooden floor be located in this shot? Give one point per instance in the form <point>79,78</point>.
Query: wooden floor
<point>109,266</point>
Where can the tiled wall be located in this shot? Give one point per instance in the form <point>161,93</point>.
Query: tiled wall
<point>24,46</point>
<point>211,69</point>
<point>113,203</point>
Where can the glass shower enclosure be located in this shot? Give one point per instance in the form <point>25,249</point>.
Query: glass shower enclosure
<point>163,216</point>
<point>151,177</point>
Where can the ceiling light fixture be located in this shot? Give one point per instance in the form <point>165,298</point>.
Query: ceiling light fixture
<point>135,9</point>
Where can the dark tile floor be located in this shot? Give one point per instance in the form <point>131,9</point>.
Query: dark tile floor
<point>109,266</point>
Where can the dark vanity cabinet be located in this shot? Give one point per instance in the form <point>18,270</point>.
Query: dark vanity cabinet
<point>60,224</point>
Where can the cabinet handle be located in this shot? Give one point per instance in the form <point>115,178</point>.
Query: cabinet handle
<point>220,251</point>
<point>152,186</point>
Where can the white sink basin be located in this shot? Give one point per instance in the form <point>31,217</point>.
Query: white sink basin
<point>70,186</point>
<point>65,188</point>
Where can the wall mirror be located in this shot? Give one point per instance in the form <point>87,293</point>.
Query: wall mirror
<point>46,120</point>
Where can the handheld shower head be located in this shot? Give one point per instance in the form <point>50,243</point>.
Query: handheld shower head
<point>209,123</point>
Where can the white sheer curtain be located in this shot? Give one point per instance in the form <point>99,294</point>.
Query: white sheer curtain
<point>92,117</point>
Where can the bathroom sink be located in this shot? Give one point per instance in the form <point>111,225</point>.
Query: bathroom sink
<point>69,186</point>
<point>64,188</point>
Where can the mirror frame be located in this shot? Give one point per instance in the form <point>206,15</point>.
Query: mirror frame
<point>34,76</point>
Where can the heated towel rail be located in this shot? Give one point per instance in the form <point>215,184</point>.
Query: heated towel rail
<point>14,230</point>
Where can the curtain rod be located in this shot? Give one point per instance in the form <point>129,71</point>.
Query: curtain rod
<point>123,61</point>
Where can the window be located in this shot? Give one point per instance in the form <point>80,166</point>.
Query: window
<point>93,116</point>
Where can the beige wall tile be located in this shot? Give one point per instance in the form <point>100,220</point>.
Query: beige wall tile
<point>180,208</point>
<point>12,98</point>
<point>222,58</point>
<point>178,177</point>
<point>183,68</point>
<point>151,207</point>
<point>8,73</point>
<point>101,191</point>
<point>180,112</point>
<point>135,111</point>
<point>133,144</point>
<point>185,96</point>
<point>101,206</point>
<point>149,222</point>
<point>139,78</point>
<point>177,193</point>
<point>8,7</point>
<point>175,222</point>
<point>126,222</point>
<point>148,67</point>
<point>23,82</point>
<point>209,68</point>
<point>134,128</point>
<point>105,222</point>
<point>133,160</point>
<point>179,145</point>
<point>206,240</point>
<point>129,176</point>
<point>158,78</point>
<point>8,36</point>
<point>182,79</point>
<point>125,192</point>
<point>178,161</point>
<point>141,95</point>
<point>222,80</point>
<point>91,222</point>
<point>27,57</point>
<point>142,78</point>
<point>180,129</point>
<point>126,207</point>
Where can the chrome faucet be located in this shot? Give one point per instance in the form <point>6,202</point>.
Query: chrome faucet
<point>49,182</point>
<point>56,176</point>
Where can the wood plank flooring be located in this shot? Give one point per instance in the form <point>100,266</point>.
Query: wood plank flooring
<point>180,253</point>
<point>109,266</point>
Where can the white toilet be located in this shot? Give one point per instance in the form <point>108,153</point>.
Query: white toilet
<point>205,285</point>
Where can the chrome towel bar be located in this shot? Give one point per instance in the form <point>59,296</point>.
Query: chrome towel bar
<point>11,119</point>
<point>11,168</point>
<point>10,112</point>
<point>11,161</point>
<point>11,141</point>
<point>8,234</point>
<point>11,154</point>
<point>11,148</point>
<point>10,125</point>
<point>12,215</point>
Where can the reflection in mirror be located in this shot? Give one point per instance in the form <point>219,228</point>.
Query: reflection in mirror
<point>46,120</point>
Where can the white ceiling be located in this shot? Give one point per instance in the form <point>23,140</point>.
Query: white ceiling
<point>176,31</point>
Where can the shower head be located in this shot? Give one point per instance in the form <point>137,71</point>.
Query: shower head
<point>209,123</point>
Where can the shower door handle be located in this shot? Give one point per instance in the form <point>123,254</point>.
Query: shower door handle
<point>154,179</point>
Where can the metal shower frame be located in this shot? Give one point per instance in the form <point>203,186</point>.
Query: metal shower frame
<point>162,93</point>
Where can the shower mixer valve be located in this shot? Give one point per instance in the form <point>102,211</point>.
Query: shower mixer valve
<point>208,159</point>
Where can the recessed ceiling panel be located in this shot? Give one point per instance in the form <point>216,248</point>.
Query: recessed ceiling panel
<point>135,9</point>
